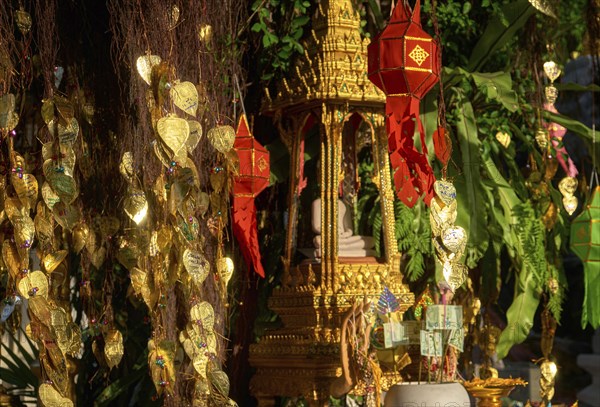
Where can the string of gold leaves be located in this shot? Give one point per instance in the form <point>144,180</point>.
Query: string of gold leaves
<point>174,254</point>
<point>47,290</point>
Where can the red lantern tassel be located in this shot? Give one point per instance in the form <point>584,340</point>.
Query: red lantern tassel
<point>246,232</point>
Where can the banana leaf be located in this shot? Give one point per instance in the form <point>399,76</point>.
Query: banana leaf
<point>497,34</point>
<point>472,211</point>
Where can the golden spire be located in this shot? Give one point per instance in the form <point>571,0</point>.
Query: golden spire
<point>334,65</point>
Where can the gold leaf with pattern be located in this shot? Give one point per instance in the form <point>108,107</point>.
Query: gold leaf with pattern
<point>219,381</point>
<point>67,134</point>
<point>173,16</point>
<point>11,259</point>
<point>50,397</point>
<point>113,347</point>
<point>47,110</point>
<point>33,284</point>
<point>81,234</point>
<point>26,187</point>
<point>50,197</point>
<point>24,237</point>
<point>65,110</point>
<point>205,33</point>
<point>195,135</point>
<point>568,185</point>
<point>221,138</point>
<point>144,66</point>
<point>64,185</point>
<point>44,225</point>
<point>136,205</point>
<point>185,97</point>
<point>196,265</point>
<point>65,215</point>
<point>40,307</point>
<point>52,260</point>
<point>174,132</point>
<point>225,269</point>
<point>202,317</point>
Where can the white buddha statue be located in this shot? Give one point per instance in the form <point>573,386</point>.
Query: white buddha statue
<point>349,245</point>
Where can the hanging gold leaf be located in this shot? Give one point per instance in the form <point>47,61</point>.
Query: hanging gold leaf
<point>24,237</point>
<point>67,134</point>
<point>126,166</point>
<point>138,279</point>
<point>203,201</point>
<point>98,257</point>
<point>205,33</point>
<point>136,205</point>
<point>200,362</point>
<point>67,216</point>
<point>33,284</point>
<point>503,138</point>
<point>143,286</point>
<point>570,203</point>
<point>221,138</point>
<point>225,269</point>
<point>196,265</point>
<point>23,20</point>
<point>161,358</point>
<point>195,135</point>
<point>50,397</point>
<point>189,228</point>
<point>65,111</point>
<point>174,132</point>
<point>144,66</point>
<point>455,239</point>
<point>551,69</point>
<point>217,179</point>
<point>44,225</point>
<point>11,259</point>
<point>81,234</point>
<point>26,187</point>
<point>113,347</point>
<point>40,307</point>
<point>161,153</point>
<point>50,197</point>
<point>568,185</point>
<point>202,315</point>
<point>107,225</point>
<point>52,260</point>
<point>47,110</point>
<point>185,97</point>
<point>7,109</point>
<point>64,185</point>
<point>63,156</point>
<point>219,382</point>
<point>66,333</point>
<point>55,368</point>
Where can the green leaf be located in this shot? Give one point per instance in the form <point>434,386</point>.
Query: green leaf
<point>575,87</point>
<point>497,86</point>
<point>472,213</point>
<point>257,27</point>
<point>118,387</point>
<point>497,35</point>
<point>520,316</point>
<point>377,16</point>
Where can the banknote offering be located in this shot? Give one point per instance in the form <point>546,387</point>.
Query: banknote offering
<point>444,317</point>
<point>431,343</point>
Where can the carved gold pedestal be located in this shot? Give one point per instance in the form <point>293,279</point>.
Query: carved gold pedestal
<point>489,393</point>
<point>302,358</point>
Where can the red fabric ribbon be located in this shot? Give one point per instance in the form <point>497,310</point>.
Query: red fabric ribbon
<point>413,175</point>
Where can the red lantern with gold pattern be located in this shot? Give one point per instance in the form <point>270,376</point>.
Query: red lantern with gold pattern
<point>404,64</point>
<point>252,178</point>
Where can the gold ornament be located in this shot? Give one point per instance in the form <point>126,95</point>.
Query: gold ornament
<point>81,234</point>
<point>205,33</point>
<point>174,133</point>
<point>503,138</point>
<point>67,216</point>
<point>52,260</point>
<point>568,186</point>
<point>202,316</point>
<point>195,135</point>
<point>196,265</point>
<point>144,65</point>
<point>50,397</point>
<point>113,347</point>
<point>126,166</point>
<point>570,204</point>
<point>541,137</point>
<point>173,16</point>
<point>50,197</point>
<point>552,70</point>
<point>445,190</point>
<point>33,284</point>
<point>225,269</point>
<point>7,110</point>
<point>26,187</point>
<point>185,97</point>
<point>221,138</point>
<point>136,205</point>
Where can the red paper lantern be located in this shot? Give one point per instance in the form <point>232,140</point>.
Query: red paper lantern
<point>252,178</point>
<point>404,64</point>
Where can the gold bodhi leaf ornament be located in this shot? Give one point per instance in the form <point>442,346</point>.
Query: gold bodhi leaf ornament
<point>144,65</point>
<point>185,96</point>
<point>50,397</point>
<point>33,284</point>
<point>113,347</point>
<point>174,133</point>
<point>221,138</point>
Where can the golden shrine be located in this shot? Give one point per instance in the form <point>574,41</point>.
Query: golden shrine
<point>330,92</point>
